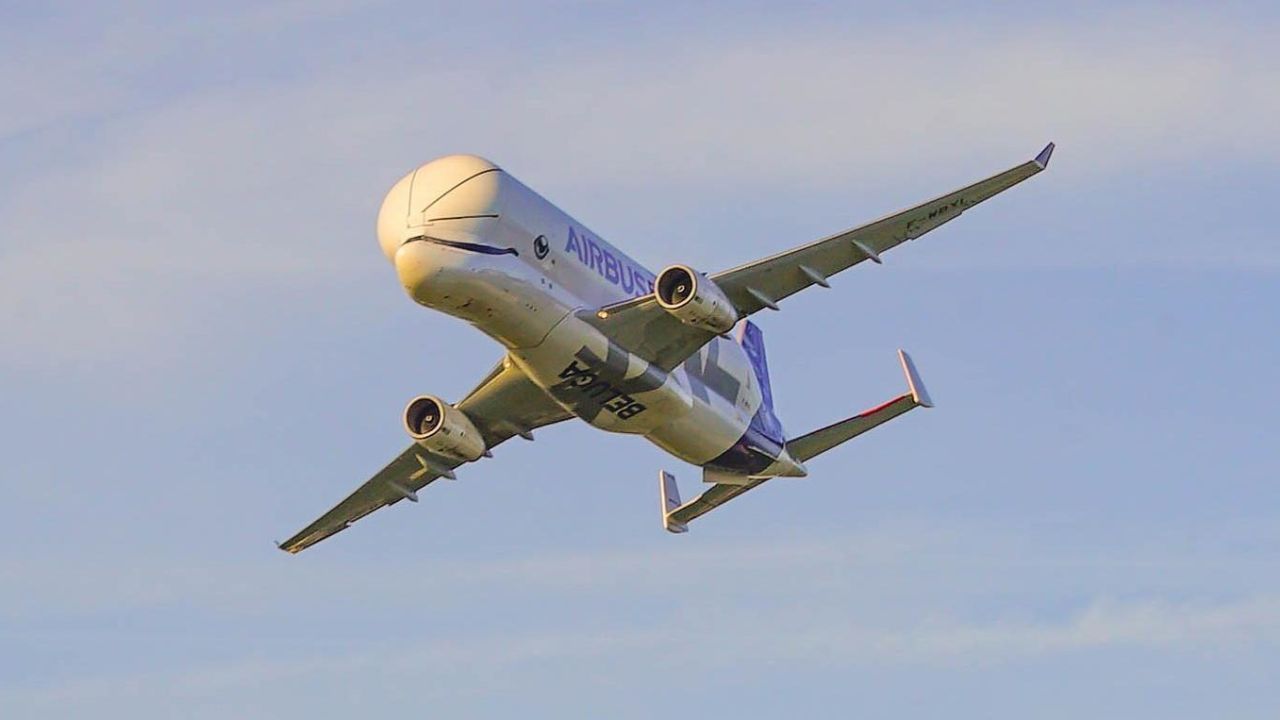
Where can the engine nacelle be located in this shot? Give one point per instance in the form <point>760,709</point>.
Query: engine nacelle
<point>694,299</point>
<point>441,428</point>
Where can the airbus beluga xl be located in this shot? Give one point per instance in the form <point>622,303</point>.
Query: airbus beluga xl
<point>590,333</point>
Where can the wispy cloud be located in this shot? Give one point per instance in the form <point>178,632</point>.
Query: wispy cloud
<point>708,642</point>
<point>275,180</point>
<point>1104,623</point>
<point>870,565</point>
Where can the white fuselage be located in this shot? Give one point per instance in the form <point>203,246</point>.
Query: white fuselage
<point>468,239</point>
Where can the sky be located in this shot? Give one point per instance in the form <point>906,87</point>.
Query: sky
<point>203,349</point>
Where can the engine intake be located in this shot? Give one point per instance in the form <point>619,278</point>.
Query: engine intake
<point>442,428</point>
<point>694,299</point>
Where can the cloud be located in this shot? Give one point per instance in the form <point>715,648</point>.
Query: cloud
<point>1103,624</point>
<point>272,181</point>
<point>721,640</point>
<point>832,105</point>
<point>726,605</point>
<point>869,566</point>
<point>81,584</point>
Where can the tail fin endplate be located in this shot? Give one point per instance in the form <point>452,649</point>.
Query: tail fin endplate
<point>670,502</point>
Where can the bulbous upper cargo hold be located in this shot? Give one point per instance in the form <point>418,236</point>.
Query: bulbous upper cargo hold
<point>455,188</point>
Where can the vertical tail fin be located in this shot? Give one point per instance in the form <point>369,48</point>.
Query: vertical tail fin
<point>752,340</point>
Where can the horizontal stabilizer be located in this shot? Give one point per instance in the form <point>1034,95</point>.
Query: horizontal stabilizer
<point>676,516</point>
<point>819,441</point>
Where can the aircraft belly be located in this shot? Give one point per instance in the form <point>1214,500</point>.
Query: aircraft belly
<point>601,383</point>
<point>514,310</point>
<point>699,436</point>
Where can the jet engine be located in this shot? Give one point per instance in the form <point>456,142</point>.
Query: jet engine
<point>441,428</point>
<point>694,299</point>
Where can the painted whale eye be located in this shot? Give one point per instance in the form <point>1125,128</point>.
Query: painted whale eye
<point>541,247</point>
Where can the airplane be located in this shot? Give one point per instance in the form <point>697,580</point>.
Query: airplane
<point>589,333</point>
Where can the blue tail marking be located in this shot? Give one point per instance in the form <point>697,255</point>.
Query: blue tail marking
<point>764,439</point>
<point>766,420</point>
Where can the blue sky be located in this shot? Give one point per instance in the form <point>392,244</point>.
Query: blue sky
<point>204,349</point>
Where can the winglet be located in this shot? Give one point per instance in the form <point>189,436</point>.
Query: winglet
<point>1043,158</point>
<point>670,501</point>
<point>918,393</point>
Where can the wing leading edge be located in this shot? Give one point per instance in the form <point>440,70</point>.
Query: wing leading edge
<point>644,328</point>
<point>505,404</point>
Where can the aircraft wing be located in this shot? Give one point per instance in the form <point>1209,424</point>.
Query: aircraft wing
<point>504,404</point>
<point>647,330</point>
